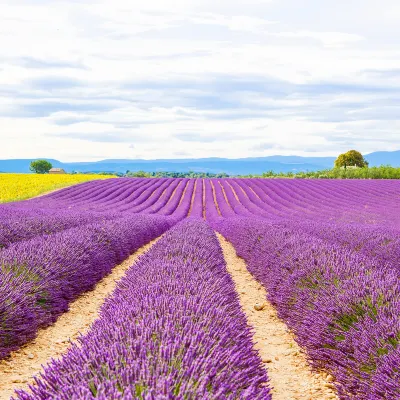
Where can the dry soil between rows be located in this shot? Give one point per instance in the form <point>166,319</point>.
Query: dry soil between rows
<point>290,375</point>
<point>17,371</point>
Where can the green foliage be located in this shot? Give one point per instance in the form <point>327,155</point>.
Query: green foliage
<point>351,158</point>
<point>101,173</point>
<point>140,174</point>
<point>190,174</point>
<point>382,172</point>
<point>40,166</point>
<point>345,321</point>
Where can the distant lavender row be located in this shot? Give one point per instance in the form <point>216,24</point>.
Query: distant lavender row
<point>336,201</point>
<point>303,199</point>
<point>343,309</point>
<point>22,224</point>
<point>371,202</point>
<point>25,220</point>
<point>41,276</point>
<point>173,329</point>
<point>149,196</point>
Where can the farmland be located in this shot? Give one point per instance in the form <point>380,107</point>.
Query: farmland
<point>15,187</point>
<point>322,255</point>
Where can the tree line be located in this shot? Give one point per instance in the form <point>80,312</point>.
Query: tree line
<point>349,165</point>
<point>190,174</point>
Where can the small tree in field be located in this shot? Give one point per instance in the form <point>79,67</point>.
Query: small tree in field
<point>40,166</point>
<point>351,158</point>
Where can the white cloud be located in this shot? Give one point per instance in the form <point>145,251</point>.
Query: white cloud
<point>328,39</point>
<point>97,79</point>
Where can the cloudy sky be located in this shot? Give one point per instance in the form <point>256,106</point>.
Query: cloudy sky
<point>89,80</point>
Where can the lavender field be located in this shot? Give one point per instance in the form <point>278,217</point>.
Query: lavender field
<point>326,251</point>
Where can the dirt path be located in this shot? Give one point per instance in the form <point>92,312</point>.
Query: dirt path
<point>17,370</point>
<point>193,196</point>
<point>289,373</point>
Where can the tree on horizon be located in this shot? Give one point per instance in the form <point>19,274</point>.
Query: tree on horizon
<point>351,158</point>
<point>40,166</point>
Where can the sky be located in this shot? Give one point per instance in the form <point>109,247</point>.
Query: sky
<point>88,80</point>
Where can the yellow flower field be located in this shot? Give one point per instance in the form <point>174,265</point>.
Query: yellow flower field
<point>14,187</point>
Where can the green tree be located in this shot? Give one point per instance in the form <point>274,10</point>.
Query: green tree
<point>141,174</point>
<point>351,158</point>
<point>40,166</point>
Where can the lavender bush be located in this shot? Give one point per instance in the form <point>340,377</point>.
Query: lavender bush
<point>17,225</point>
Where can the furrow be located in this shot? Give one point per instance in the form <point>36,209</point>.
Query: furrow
<point>291,378</point>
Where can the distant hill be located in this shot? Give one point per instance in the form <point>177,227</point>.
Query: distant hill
<point>242,166</point>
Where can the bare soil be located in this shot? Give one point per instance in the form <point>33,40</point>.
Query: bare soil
<point>17,371</point>
<point>290,375</point>
<point>193,196</point>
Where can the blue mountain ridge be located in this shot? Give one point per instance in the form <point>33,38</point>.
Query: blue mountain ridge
<point>242,166</point>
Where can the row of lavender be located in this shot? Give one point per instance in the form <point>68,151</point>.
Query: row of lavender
<point>18,224</point>
<point>381,244</point>
<point>255,197</point>
<point>173,329</point>
<point>125,195</point>
<point>343,303</point>
<point>369,202</point>
<point>41,276</point>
